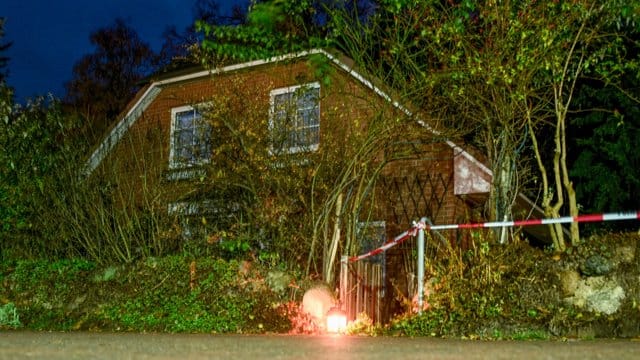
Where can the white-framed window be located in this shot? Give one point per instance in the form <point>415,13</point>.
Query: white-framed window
<point>294,122</point>
<point>197,218</point>
<point>192,216</point>
<point>190,138</point>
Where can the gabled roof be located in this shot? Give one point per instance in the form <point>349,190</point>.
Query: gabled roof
<point>153,89</point>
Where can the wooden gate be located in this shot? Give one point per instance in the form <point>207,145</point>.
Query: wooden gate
<point>361,289</point>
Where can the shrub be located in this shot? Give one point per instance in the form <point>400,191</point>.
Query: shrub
<point>9,316</point>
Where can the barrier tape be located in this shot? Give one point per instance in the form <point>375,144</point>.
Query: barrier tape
<point>389,244</point>
<point>531,222</point>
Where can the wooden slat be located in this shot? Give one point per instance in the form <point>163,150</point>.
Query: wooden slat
<point>361,290</point>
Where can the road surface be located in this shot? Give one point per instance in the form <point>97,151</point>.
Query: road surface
<point>80,345</point>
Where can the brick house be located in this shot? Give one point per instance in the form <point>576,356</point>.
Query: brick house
<point>434,178</point>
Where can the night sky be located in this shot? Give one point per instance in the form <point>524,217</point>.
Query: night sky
<point>49,37</point>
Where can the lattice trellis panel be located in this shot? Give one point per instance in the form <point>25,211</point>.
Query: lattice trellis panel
<point>411,197</point>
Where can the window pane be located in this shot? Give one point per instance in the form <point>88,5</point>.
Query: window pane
<point>184,120</point>
<point>309,117</point>
<point>312,135</point>
<point>308,98</point>
<point>282,99</point>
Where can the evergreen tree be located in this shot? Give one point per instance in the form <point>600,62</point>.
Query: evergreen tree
<point>4,60</point>
<point>105,81</point>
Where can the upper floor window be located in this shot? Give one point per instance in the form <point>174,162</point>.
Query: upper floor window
<point>190,138</point>
<point>295,118</point>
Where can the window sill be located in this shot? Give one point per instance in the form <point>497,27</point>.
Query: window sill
<point>185,173</point>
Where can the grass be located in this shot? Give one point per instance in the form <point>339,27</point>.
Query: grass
<point>530,335</point>
<point>159,295</point>
<point>9,317</point>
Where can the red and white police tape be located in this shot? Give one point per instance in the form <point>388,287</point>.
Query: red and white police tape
<point>561,220</point>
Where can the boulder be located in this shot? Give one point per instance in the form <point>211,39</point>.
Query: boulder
<point>596,265</point>
<point>598,294</point>
<point>316,302</point>
<point>569,280</point>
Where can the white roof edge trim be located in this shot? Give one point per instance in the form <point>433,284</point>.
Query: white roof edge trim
<point>119,130</point>
<point>127,121</point>
<point>241,66</point>
<point>396,104</point>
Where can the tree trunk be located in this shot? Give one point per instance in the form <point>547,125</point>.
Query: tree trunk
<point>573,210</point>
<point>506,182</point>
<point>555,230</point>
<point>333,249</point>
<point>568,184</point>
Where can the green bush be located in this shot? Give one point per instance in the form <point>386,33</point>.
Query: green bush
<point>218,300</point>
<point>175,293</point>
<point>435,322</point>
<point>9,317</point>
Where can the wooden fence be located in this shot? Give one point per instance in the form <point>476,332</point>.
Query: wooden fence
<point>361,289</point>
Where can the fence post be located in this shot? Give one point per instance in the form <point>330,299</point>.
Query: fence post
<point>344,279</point>
<point>421,266</point>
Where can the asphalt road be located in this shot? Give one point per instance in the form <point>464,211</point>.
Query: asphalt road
<point>76,345</point>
